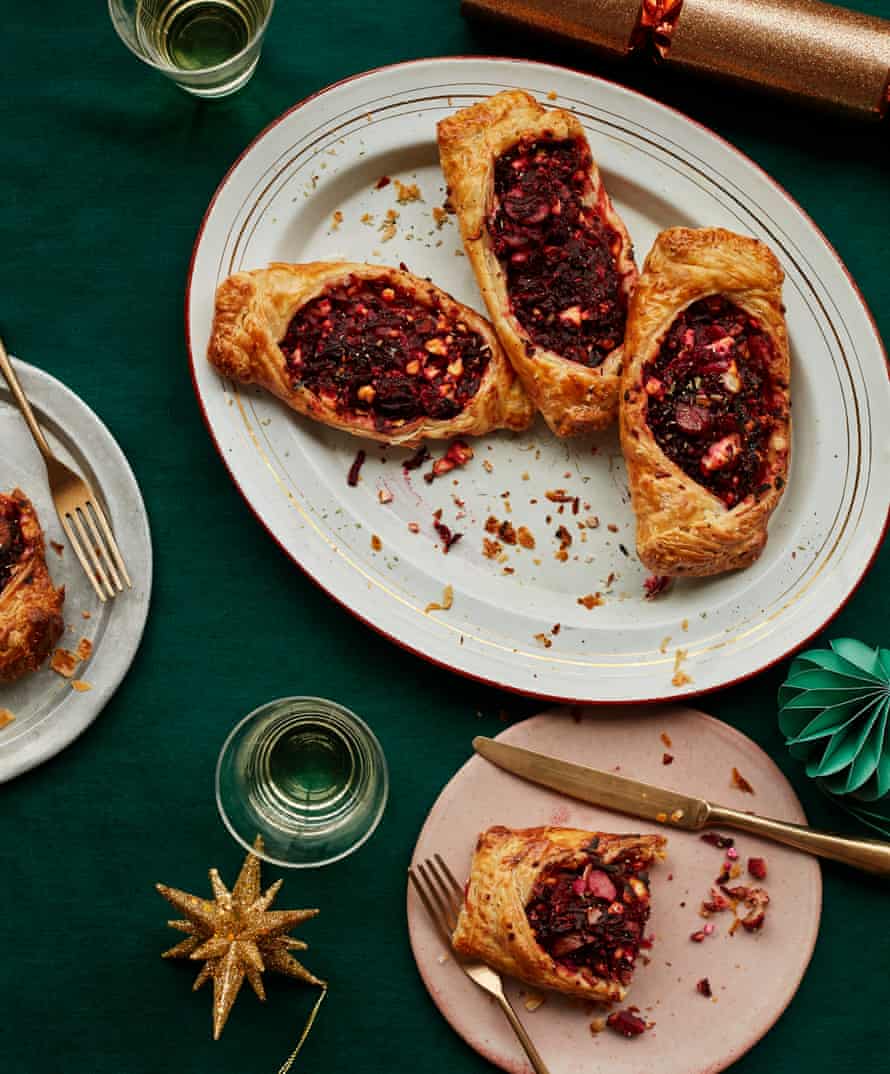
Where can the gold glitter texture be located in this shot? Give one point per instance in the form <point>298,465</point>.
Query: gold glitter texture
<point>800,48</point>
<point>236,935</point>
<point>803,49</point>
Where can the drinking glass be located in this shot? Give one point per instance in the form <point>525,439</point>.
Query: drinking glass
<point>307,775</point>
<point>208,47</point>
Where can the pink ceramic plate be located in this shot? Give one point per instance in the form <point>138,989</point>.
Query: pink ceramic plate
<point>753,975</point>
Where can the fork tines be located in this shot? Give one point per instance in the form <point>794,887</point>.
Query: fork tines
<point>439,892</point>
<point>94,545</point>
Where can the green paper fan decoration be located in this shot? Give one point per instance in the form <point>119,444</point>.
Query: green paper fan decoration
<point>833,711</point>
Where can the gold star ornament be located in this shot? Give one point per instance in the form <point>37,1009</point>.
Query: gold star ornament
<point>236,935</point>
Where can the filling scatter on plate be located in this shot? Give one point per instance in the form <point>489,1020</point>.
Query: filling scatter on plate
<point>560,908</point>
<point>30,605</point>
<point>371,350</point>
<point>692,356</point>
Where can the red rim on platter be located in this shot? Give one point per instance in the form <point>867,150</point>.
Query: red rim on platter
<point>307,189</point>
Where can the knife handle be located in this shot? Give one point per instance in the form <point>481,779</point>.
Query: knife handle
<point>870,855</point>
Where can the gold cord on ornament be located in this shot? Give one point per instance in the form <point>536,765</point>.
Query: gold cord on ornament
<point>289,1062</point>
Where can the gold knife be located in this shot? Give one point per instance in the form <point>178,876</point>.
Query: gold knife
<point>677,810</point>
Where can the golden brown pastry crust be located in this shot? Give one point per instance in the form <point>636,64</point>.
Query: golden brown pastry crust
<point>253,310</point>
<point>493,926</point>
<point>682,527</point>
<point>573,399</point>
<point>30,606</point>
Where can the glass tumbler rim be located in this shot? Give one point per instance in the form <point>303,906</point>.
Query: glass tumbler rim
<point>122,29</point>
<point>324,704</point>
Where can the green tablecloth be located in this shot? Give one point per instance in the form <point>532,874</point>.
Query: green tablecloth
<point>106,172</point>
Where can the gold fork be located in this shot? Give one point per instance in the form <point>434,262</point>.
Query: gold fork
<point>442,897</point>
<point>83,520</point>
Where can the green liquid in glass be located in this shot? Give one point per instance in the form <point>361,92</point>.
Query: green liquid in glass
<point>310,764</point>
<point>205,34</point>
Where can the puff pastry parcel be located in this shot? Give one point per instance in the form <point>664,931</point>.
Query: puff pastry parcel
<point>368,349</point>
<point>30,606</point>
<point>559,908</point>
<point>705,413</point>
<point>552,258</point>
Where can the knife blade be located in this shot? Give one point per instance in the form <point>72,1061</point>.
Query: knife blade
<point>598,788</point>
<point>678,810</point>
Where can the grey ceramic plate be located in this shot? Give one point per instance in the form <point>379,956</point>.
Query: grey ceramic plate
<point>48,712</point>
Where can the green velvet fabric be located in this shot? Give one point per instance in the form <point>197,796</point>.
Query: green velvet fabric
<point>106,172</point>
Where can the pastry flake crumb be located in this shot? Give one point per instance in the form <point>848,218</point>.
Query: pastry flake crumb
<point>491,549</point>
<point>667,758</point>
<point>414,527</point>
<point>597,1026</point>
<point>447,601</point>
<point>384,496</point>
<point>388,228</point>
<point>533,1000</point>
<point>407,192</point>
<point>680,678</point>
<point>552,95</point>
<point>507,533</point>
<point>336,220</point>
<point>684,625</point>
<point>703,987</point>
<point>81,686</point>
<point>57,548</point>
<point>6,718</point>
<point>439,215</point>
<point>367,219</point>
<point>591,601</point>
<point>666,739</point>
<point>665,642</point>
<point>740,783</point>
<point>84,649</point>
<point>542,639</point>
<point>487,467</point>
<point>525,537</point>
<point>442,959</point>
<point>64,663</point>
<point>86,615</point>
<point>383,181</point>
<point>376,543</point>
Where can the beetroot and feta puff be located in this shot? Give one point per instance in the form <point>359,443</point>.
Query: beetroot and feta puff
<point>551,256</point>
<point>559,908</point>
<point>372,350</point>
<point>705,412</point>
<point>30,605</point>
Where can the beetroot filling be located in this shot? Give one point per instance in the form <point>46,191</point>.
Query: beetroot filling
<point>711,402</point>
<point>371,347</point>
<point>590,916</point>
<point>12,540</point>
<point>558,253</point>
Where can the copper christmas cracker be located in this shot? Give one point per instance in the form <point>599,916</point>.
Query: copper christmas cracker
<point>801,49</point>
<point>605,25</point>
